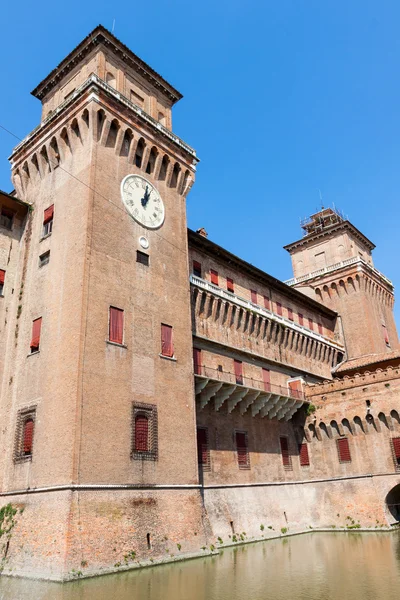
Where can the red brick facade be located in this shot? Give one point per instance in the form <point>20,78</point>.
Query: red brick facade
<point>175,395</point>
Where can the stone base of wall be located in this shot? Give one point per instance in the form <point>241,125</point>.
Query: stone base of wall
<point>67,534</point>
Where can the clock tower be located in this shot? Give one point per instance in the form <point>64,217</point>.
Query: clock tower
<point>110,386</point>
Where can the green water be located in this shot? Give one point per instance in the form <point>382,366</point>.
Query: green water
<point>316,566</point>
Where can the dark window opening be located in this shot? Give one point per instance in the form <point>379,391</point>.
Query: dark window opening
<point>196,268</point>
<point>286,458</point>
<point>6,218</point>
<point>148,541</point>
<point>142,258</point>
<point>44,259</point>
<point>230,285</point>
<point>242,450</point>
<point>139,153</point>
<point>203,453</point>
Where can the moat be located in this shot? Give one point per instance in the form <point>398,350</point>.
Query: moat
<point>317,566</point>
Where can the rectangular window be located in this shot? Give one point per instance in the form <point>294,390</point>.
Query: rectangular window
<point>343,449</point>
<point>196,268</point>
<point>2,279</point>
<point>6,218</point>
<point>395,442</point>
<point>266,375</point>
<point>142,258</point>
<point>48,218</point>
<point>167,343</point>
<point>267,303</point>
<point>197,361</point>
<point>116,325</point>
<point>311,324</point>
<point>253,296</point>
<point>214,276</point>
<point>290,314</point>
<point>242,450</point>
<point>320,328</point>
<point>238,367</point>
<point>303,453</point>
<point>203,452</point>
<point>286,458</point>
<point>144,432</point>
<point>24,435</point>
<point>44,258</point>
<point>36,330</point>
<point>229,285</point>
<point>279,308</point>
<point>301,319</point>
<point>385,335</point>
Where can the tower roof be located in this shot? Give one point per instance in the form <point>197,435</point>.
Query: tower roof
<point>101,35</point>
<point>327,222</point>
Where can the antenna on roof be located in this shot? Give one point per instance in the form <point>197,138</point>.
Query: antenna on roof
<point>112,30</point>
<point>320,197</point>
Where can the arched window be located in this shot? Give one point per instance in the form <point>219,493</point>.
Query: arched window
<point>112,134</point>
<point>139,153</point>
<point>175,175</point>
<point>126,143</point>
<point>141,433</point>
<point>163,170</point>
<point>27,437</point>
<point>152,160</point>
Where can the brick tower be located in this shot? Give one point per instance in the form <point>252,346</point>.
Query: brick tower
<point>333,264</point>
<point>99,363</point>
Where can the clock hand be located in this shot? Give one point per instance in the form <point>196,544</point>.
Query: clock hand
<point>146,197</point>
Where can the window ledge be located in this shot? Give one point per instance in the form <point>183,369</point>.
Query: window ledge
<point>44,237</point>
<point>116,344</point>
<point>167,357</point>
<point>33,353</point>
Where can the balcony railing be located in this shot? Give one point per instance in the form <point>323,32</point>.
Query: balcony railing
<point>340,265</point>
<point>232,390</point>
<point>264,312</point>
<point>251,382</point>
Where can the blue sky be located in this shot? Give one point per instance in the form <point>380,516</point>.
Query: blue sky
<point>281,99</point>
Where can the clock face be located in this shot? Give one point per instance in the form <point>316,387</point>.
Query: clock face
<point>142,201</point>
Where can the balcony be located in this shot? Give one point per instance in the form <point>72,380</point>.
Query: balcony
<point>251,396</point>
<point>356,260</point>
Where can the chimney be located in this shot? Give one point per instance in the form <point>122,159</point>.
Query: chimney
<point>202,232</point>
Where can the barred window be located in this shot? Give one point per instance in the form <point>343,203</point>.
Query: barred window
<point>395,442</point>
<point>144,432</point>
<point>243,457</point>
<point>24,435</point>
<point>343,449</point>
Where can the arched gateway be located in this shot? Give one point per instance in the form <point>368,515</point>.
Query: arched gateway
<point>393,502</point>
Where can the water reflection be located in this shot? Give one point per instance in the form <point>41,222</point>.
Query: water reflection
<point>333,566</point>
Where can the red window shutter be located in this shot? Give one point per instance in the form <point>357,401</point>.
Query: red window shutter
<point>295,388</point>
<point>279,308</point>
<point>36,329</point>
<point>266,379</point>
<point>343,450</point>
<point>253,296</point>
<point>197,361</point>
<point>285,451</point>
<point>116,327</point>
<point>229,285</point>
<point>311,324</point>
<point>396,452</point>
<point>238,367</point>
<point>241,447</point>
<point>141,433</point>
<point>290,314</point>
<point>301,319</point>
<point>48,214</point>
<point>27,440</point>
<point>214,276</point>
<point>202,446</point>
<point>2,276</point>
<point>304,458</point>
<point>196,268</point>
<point>167,345</point>
<point>267,303</point>
<point>320,329</point>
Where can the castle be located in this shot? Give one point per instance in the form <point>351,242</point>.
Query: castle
<point>159,395</point>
